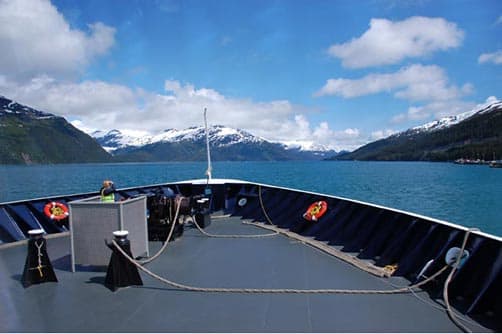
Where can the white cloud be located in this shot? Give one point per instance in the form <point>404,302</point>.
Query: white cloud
<point>387,42</point>
<point>491,99</point>
<point>414,83</point>
<point>348,139</point>
<point>494,57</point>
<point>36,40</point>
<point>380,134</point>
<point>435,110</point>
<point>97,105</point>
<point>440,109</point>
<point>321,136</point>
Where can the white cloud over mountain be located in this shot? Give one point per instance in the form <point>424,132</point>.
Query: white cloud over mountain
<point>43,56</point>
<point>434,109</point>
<point>387,42</point>
<point>101,105</point>
<point>427,84</point>
<point>44,61</point>
<point>426,87</point>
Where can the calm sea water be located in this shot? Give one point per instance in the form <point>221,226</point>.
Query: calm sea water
<point>465,195</point>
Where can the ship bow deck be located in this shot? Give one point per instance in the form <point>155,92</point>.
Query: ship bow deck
<point>79,302</point>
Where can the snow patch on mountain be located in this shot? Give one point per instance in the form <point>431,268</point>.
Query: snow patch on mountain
<point>8,106</point>
<point>305,145</point>
<point>218,136</point>
<point>491,104</point>
<point>448,121</point>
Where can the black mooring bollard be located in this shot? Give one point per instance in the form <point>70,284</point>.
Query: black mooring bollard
<point>38,267</point>
<point>121,272</point>
<point>202,214</point>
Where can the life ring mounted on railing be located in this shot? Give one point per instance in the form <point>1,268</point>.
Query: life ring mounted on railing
<point>316,210</point>
<point>56,210</point>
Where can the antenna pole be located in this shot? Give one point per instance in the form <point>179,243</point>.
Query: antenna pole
<point>209,168</point>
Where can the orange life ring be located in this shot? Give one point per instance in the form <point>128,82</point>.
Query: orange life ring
<point>56,210</point>
<point>316,211</point>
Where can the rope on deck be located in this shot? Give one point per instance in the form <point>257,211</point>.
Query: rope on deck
<point>173,224</point>
<point>363,265</point>
<point>353,260</point>
<point>368,267</point>
<point>164,246</point>
<point>248,290</point>
<point>449,309</point>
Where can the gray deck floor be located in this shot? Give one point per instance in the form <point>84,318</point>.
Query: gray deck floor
<point>80,302</point>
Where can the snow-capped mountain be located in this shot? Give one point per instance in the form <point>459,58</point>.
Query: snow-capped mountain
<point>47,138</point>
<point>448,121</point>
<point>30,136</point>
<point>8,106</point>
<point>115,139</point>
<point>226,144</point>
<point>219,136</point>
<point>475,134</point>
<point>305,145</point>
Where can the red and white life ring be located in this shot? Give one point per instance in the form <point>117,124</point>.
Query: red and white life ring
<point>316,211</point>
<point>56,210</point>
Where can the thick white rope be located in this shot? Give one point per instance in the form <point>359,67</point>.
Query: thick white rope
<point>247,290</point>
<point>363,265</point>
<point>238,235</point>
<point>164,246</point>
<point>321,246</point>
<point>447,283</point>
<point>263,206</point>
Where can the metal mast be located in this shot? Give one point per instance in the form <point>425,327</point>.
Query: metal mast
<point>209,168</point>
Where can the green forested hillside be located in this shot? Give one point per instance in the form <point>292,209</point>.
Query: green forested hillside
<point>31,137</point>
<point>477,137</point>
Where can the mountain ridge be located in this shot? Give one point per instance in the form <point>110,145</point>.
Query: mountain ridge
<point>117,139</point>
<point>226,143</point>
<point>474,134</point>
<point>31,136</point>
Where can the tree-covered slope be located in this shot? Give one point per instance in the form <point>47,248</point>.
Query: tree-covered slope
<point>476,137</point>
<point>29,136</point>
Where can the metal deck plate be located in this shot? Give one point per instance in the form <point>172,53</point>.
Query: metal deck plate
<point>80,302</point>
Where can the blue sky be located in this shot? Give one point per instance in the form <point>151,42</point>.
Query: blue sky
<point>333,73</point>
